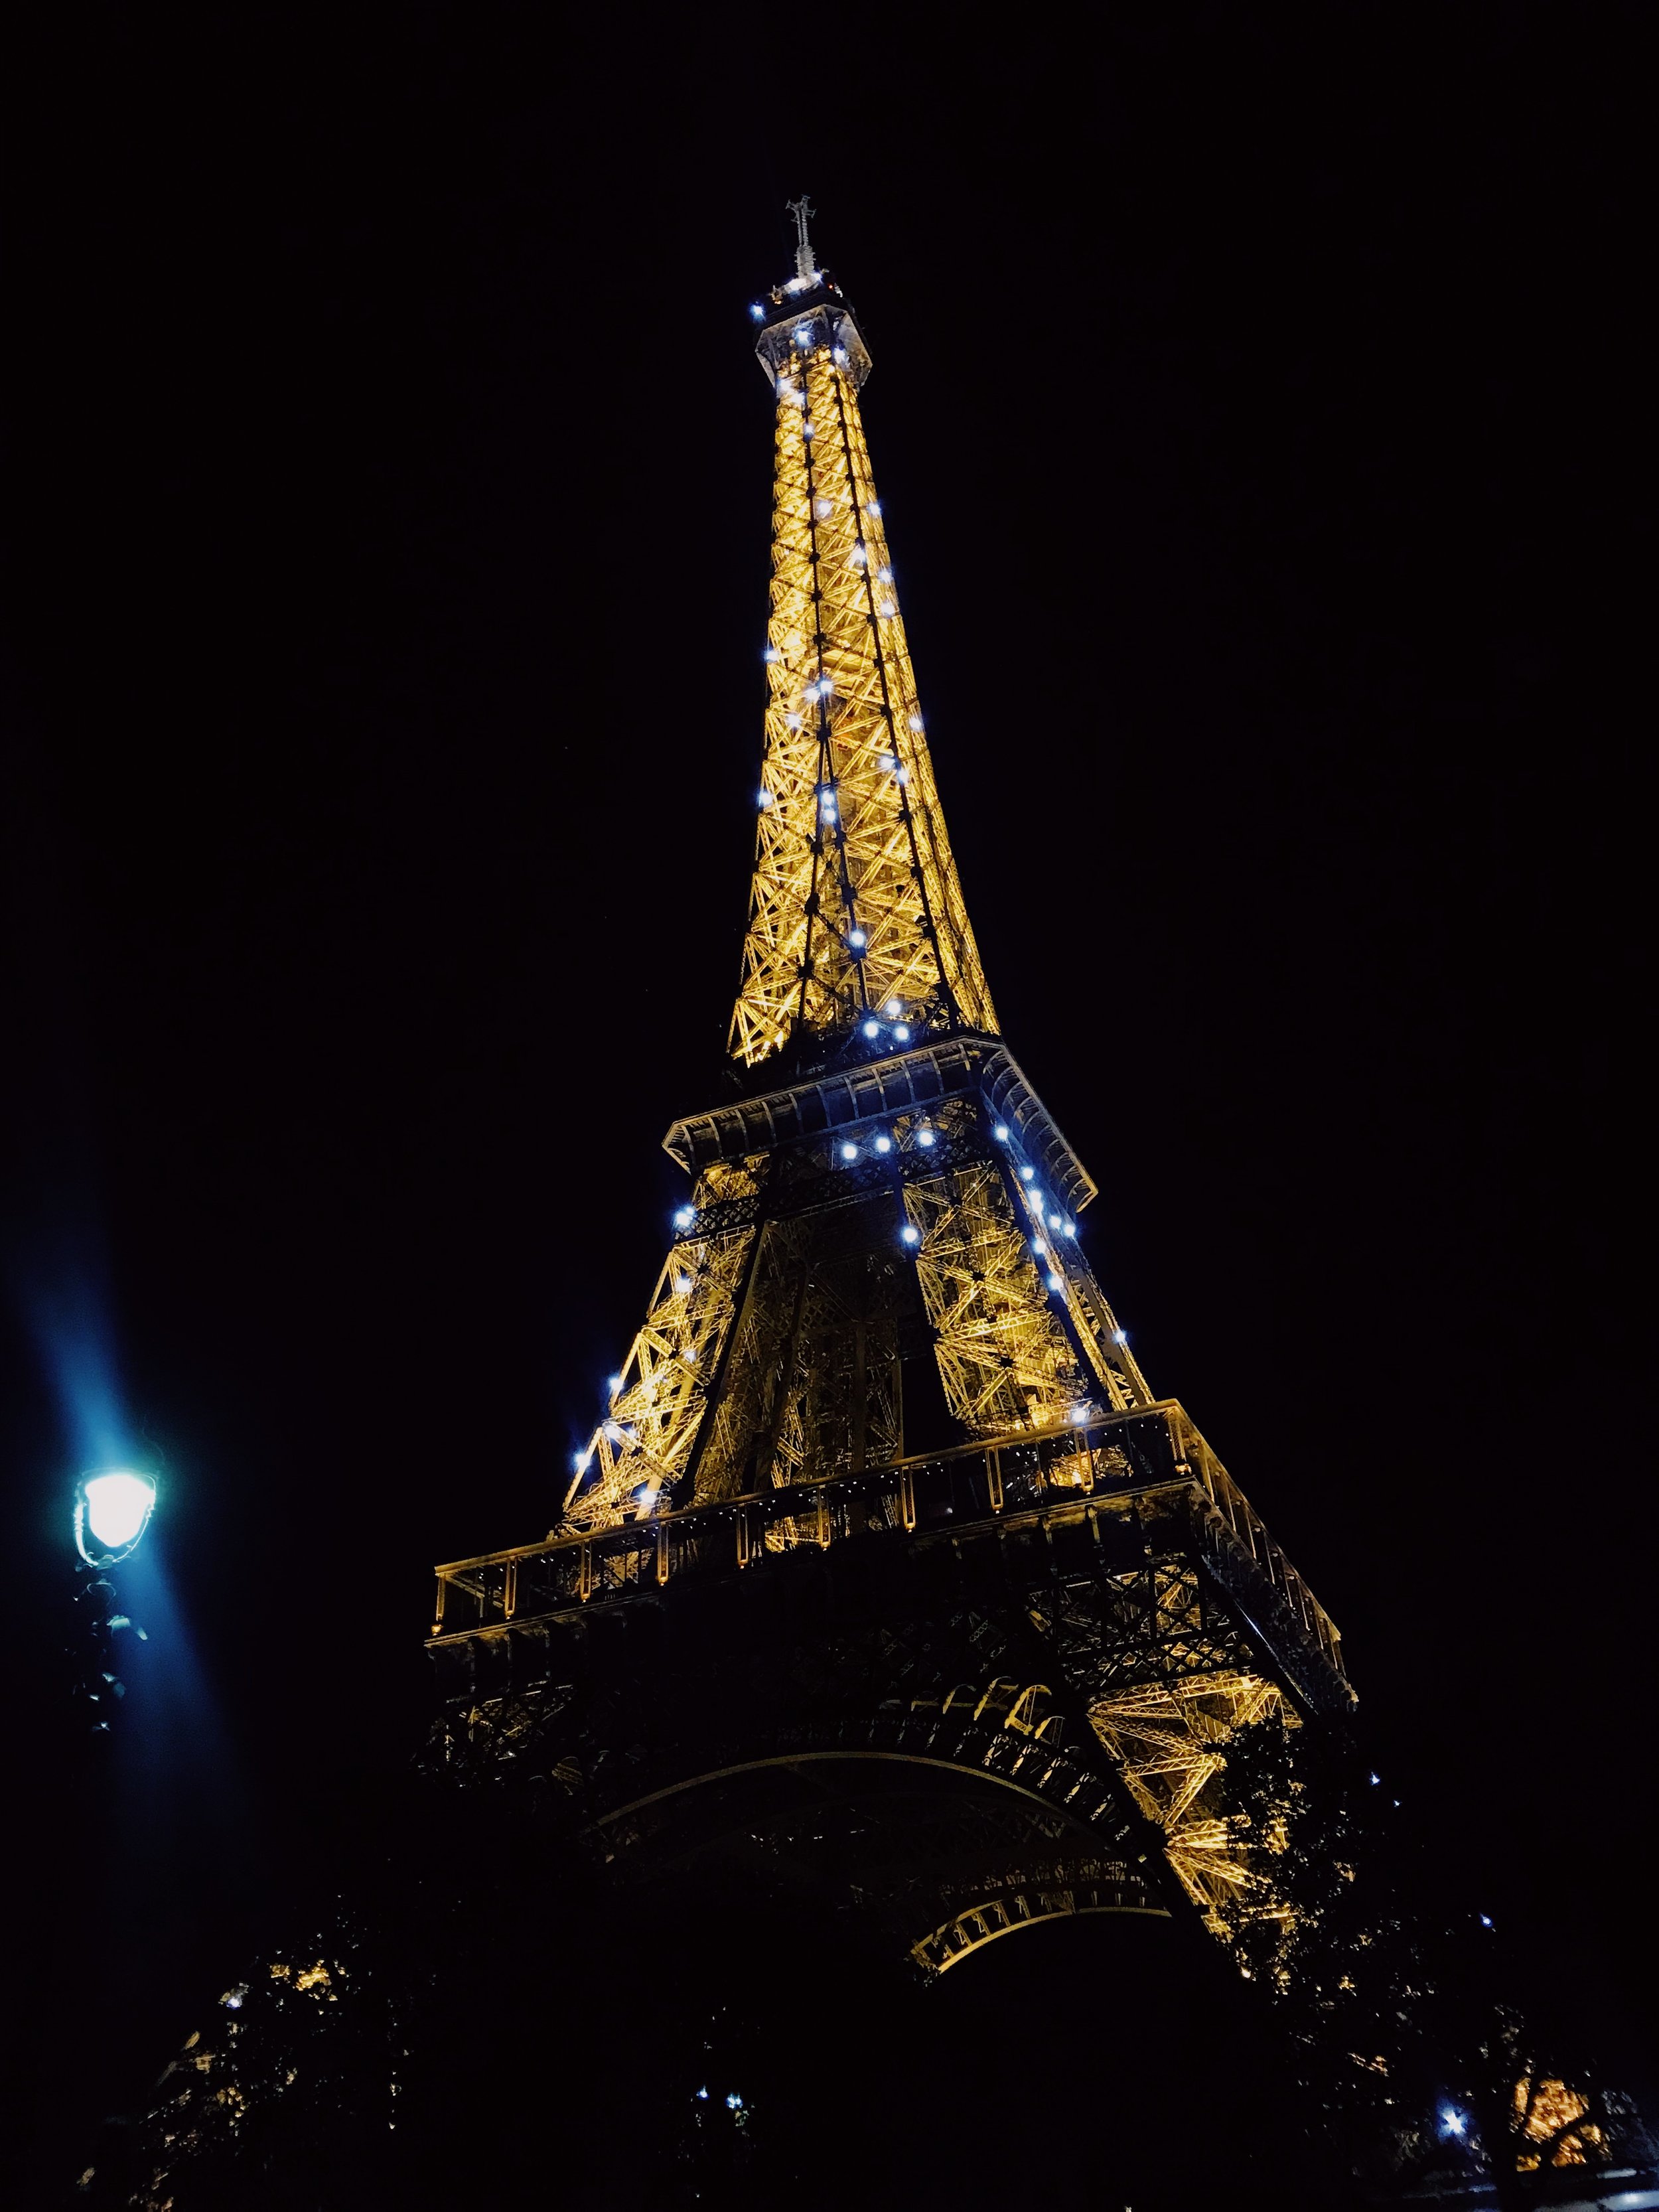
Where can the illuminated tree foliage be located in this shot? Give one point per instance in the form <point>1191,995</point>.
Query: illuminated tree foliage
<point>1418,2063</point>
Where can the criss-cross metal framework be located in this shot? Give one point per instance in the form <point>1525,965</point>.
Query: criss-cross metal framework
<point>922,1201</point>
<point>856,912</point>
<point>882,1236</point>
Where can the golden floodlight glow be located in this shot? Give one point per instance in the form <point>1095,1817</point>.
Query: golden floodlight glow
<point>855,898</point>
<point>867,1196</point>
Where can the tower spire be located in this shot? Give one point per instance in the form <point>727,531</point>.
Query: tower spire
<point>858,938</point>
<point>801,209</point>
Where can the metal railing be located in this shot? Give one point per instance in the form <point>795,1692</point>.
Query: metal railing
<point>972,1489</point>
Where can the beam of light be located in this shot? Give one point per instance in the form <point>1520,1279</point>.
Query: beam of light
<point>69,1319</point>
<point>180,1782</point>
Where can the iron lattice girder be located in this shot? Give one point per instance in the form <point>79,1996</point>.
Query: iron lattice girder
<point>1120,1560</point>
<point>880,1087</point>
<point>1068,1892</point>
<point>1068,1511</point>
<point>855,906</point>
<point>973,1174</point>
<point>977,1172</point>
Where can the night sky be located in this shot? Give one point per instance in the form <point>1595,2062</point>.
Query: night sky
<point>1253,416</point>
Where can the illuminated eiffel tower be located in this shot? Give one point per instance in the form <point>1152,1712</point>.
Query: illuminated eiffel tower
<point>886,1582</point>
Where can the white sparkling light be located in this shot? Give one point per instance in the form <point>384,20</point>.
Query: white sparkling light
<point>1001,1132</point>
<point>849,1151</point>
<point>763,799</point>
<point>682,1285</point>
<point>1054,1283</point>
<point>883,1143</point>
<point>1071,1229</point>
<point>924,1136</point>
<point>758,312</point>
<point>118,1506</point>
<point>893,1007</point>
<point>872,1029</point>
<point>901,1032</point>
<point>910,1233</point>
<point>1120,1336</point>
<point>857,940</point>
<point>1026,1173</point>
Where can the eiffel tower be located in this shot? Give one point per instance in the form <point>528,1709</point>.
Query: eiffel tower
<point>887,1585</point>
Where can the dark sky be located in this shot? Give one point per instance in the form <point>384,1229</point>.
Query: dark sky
<point>1253,416</point>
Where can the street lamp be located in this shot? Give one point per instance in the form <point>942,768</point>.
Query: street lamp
<point>111,1512</point>
<point>113,1508</point>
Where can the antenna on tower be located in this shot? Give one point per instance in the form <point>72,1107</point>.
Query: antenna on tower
<point>800,209</point>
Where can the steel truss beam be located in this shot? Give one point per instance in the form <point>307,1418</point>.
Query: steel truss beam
<point>856,912</point>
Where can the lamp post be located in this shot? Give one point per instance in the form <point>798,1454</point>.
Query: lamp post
<point>112,1509</point>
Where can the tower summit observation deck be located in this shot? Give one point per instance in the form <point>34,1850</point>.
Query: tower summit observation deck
<point>880,1491</point>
